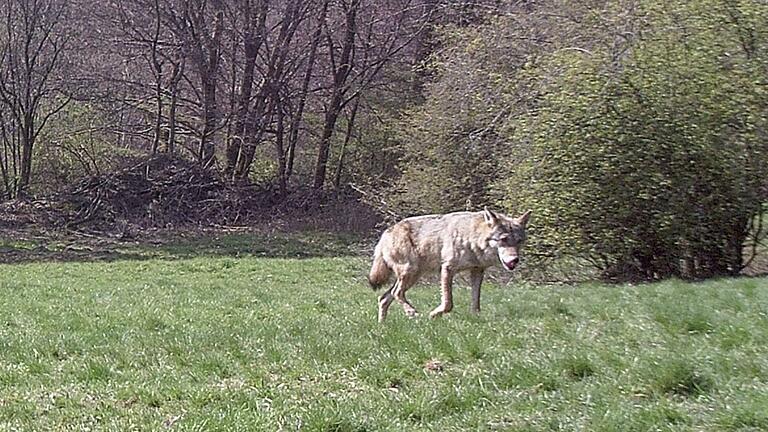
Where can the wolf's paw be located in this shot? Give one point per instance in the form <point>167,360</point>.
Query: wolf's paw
<point>440,310</point>
<point>436,313</point>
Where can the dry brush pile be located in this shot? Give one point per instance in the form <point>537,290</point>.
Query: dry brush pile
<point>177,193</point>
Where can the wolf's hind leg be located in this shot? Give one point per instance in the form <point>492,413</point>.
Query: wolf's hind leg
<point>384,301</point>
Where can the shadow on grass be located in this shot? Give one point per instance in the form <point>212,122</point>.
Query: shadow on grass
<point>179,245</point>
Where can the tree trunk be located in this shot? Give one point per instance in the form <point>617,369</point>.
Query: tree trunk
<point>207,50</point>
<point>347,137</point>
<point>27,143</point>
<point>176,75</point>
<point>337,98</point>
<point>252,41</point>
<point>280,152</point>
<point>261,115</point>
<point>210,118</point>
<point>298,115</point>
<point>157,68</point>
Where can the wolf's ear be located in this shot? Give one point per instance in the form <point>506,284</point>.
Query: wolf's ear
<point>490,217</point>
<point>523,220</point>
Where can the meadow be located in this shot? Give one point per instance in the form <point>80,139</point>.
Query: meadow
<point>249,333</point>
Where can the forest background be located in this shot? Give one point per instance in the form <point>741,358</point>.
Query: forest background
<point>634,129</point>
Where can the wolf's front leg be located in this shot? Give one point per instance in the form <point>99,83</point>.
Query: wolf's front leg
<point>401,286</point>
<point>476,279</point>
<point>446,288</point>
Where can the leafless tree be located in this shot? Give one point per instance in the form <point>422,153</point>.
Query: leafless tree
<point>265,57</point>
<point>32,89</point>
<point>276,57</point>
<point>372,35</point>
<point>253,37</point>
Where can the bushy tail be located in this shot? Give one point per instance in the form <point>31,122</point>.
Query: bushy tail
<point>380,272</point>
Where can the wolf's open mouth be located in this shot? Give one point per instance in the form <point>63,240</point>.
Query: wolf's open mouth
<point>509,265</point>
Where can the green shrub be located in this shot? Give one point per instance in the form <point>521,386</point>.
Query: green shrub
<point>651,165</point>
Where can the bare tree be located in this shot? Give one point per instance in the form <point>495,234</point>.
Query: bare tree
<point>372,36</point>
<point>262,113</point>
<point>341,69</point>
<point>253,37</point>
<point>298,113</point>
<point>32,89</point>
<point>203,40</point>
<point>251,75</point>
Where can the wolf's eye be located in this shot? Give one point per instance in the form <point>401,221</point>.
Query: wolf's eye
<point>507,240</point>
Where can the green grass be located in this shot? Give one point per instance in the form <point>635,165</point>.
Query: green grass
<point>232,340</point>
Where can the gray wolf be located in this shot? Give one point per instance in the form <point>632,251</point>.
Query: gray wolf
<point>448,243</point>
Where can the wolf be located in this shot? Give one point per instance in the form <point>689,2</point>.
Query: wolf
<point>448,243</point>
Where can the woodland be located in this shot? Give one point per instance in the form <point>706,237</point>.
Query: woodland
<point>634,129</point>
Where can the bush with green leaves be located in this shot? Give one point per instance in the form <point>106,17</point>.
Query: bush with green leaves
<point>638,138</point>
<point>653,165</point>
<point>451,141</point>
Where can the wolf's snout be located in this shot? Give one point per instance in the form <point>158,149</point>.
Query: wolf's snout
<point>511,263</point>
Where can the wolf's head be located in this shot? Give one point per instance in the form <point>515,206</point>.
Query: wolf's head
<point>507,235</point>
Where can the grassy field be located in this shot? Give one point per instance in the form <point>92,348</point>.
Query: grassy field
<point>222,336</point>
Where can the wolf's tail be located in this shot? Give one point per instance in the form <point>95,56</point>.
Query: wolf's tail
<point>380,271</point>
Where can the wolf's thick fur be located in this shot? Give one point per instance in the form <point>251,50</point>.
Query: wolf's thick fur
<point>450,243</point>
